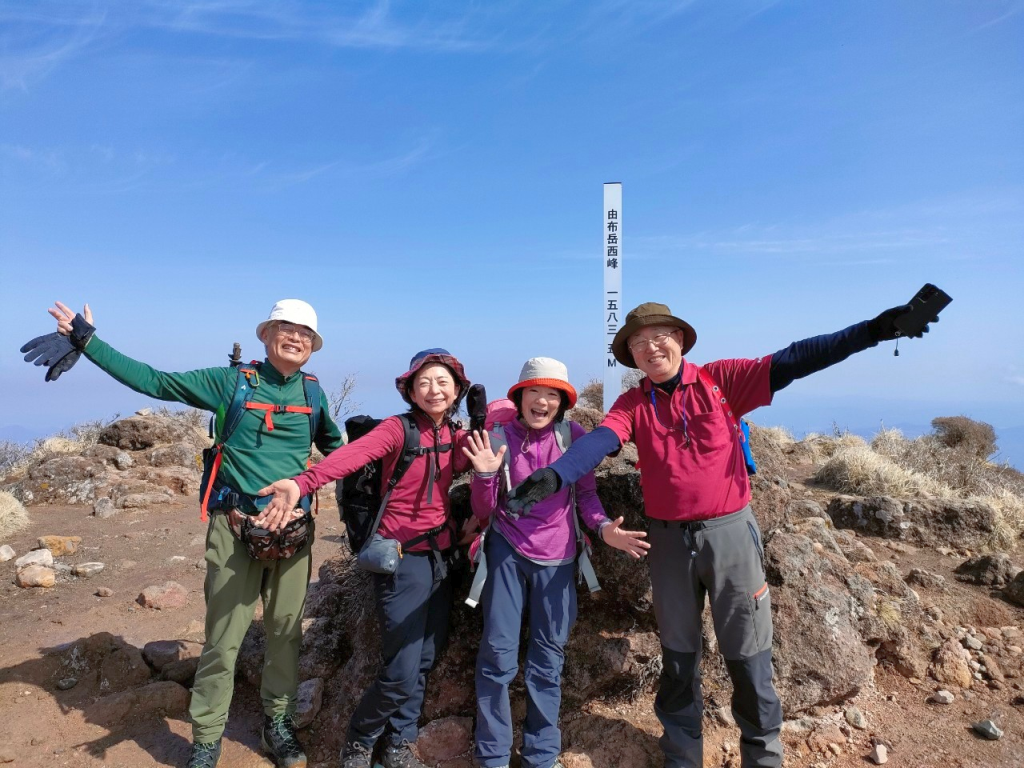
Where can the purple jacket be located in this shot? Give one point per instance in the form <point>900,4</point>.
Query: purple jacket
<point>547,534</point>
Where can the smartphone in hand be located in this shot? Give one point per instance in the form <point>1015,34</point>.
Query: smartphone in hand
<point>924,308</point>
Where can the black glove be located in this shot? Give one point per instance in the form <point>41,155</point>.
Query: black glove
<point>883,327</point>
<point>536,487</point>
<point>81,332</point>
<point>476,404</point>
<point>54,351</point>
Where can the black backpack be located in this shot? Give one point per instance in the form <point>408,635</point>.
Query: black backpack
<point>361,497</point>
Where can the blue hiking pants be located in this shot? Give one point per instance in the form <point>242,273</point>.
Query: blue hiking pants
<point>514,583</point>
<point>413,610</point>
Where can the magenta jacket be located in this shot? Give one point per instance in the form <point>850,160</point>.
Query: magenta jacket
<point>546,535</point>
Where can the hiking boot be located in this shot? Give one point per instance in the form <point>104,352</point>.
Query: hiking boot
<point>398,756</point>
<point>204,755</point>
<point>356,755</point>
<point>280,743</point>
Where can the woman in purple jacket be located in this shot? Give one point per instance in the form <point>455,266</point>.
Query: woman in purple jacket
<point>530,561</point>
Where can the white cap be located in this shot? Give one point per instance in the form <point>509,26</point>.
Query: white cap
<point>545,372</point>
<point>294,311</point>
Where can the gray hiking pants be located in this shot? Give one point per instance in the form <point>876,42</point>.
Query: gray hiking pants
<point>721,558</point>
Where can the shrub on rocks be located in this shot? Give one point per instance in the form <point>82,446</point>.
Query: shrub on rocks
<point>13,516</point>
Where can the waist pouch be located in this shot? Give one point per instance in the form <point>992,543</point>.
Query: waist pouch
<point>380,555</point>
<point>262,544</point>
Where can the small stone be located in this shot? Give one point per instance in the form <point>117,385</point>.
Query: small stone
<point>6,553</point>
<point>6,756</point>
<point>946,551</point>
<point>856,718</point>
<point>123,461</point>
<point>60,545</point>
<point>36,576</point>
<point>1016,650</point>
<point>835,749</point>
<point>175,559</point>
<point>144,412</point>
<point>43,557</point>
<point>973,643</point>
<point>724,715</point>
<point>67,683</point>
<point>161,597</point>
<point>87,570</point>
<point>104,508</point>
<point>879,755</point>
<point>308,702</point>
<point>104,592</point>
<point>988,729</point>
<point>942,697</point>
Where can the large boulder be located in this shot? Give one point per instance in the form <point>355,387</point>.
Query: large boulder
<point>816,622</point>
<point>925,522</point>
<point>137,433</point>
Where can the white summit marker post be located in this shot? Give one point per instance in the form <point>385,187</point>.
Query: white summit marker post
<point>612,305</point>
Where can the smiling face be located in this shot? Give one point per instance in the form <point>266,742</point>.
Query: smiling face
<point>288,346</point>
<point>657,351</point>
<point>433,390</point>
<point>540,406</point>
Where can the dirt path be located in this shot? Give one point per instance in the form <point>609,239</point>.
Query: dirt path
<point>43,726</point>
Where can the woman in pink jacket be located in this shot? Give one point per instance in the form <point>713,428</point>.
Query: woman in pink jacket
<point>413,602</point>
<point>530,561</point>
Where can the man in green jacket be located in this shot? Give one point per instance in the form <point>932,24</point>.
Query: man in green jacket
<point>268,443</point>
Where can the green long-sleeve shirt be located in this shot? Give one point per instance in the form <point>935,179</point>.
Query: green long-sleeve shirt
<point>254,456</point>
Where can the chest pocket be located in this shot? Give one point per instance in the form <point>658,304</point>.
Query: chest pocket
<point>709,432</point>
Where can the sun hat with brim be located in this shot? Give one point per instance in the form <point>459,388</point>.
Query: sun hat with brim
<point>545,372</point>
<point>294,311</point>
<point>649,313</point>
<point>435,356</point>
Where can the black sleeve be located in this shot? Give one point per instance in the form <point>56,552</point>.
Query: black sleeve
<point>802,358</point>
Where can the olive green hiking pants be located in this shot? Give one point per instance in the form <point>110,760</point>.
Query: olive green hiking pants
<point>234,582</point>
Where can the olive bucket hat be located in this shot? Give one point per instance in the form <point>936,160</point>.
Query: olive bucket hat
<point>649,313</point>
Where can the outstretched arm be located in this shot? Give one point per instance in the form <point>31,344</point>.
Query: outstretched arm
<point>802,358</point>
<point>582,457</point>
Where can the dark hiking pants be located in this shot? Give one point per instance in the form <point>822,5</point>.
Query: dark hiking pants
<point>722,559</point>
<point>413,610</point>
<point>548,592</point>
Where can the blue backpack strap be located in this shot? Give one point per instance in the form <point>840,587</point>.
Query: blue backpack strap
<point>247,381</point>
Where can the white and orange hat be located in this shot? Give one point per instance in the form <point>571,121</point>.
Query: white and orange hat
<point>545,372</point>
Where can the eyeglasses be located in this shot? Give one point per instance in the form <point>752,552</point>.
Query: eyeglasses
<point>288,329</point>
<point>658,340</point>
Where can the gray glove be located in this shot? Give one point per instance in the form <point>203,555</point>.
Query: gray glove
<point>536,487</point>
<point>54,351</point>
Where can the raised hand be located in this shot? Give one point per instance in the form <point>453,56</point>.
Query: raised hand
<point>536,487</point>
<point>883,327</point>
<point>481,456</point>
<point>78,328</point>
<point>628,541</point>
<point>281,510</point>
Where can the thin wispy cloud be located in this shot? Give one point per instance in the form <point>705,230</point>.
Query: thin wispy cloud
<point>33,48</point>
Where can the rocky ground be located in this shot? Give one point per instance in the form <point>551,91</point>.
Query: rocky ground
<point>896,631</point>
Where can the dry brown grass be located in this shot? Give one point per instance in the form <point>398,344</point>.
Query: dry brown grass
<point>949,463</point>
<point>13,516</point>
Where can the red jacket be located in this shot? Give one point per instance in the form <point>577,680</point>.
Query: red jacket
<point>708,477</point>
<point>408,513</point>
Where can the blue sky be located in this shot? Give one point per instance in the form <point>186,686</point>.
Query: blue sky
<point>429,173</point>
